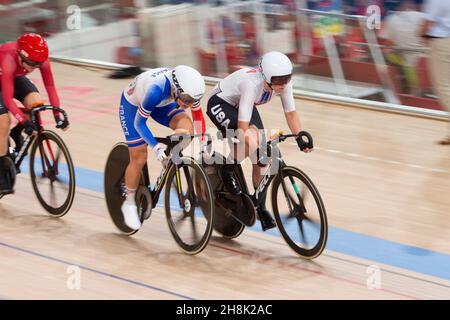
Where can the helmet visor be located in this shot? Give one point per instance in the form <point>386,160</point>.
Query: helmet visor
<point>281,80</point>
<point>31,63</point>
<point>187,99</point>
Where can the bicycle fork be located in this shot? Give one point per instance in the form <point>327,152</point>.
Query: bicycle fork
<point>302,207</point>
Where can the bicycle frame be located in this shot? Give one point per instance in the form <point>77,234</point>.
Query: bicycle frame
<point>265,182</point>
<point>21,155</point>
<point>162,178</point>
<point>160,182</point>
<point>36,119</point>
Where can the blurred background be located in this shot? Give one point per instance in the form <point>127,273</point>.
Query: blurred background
<point>348,48</point>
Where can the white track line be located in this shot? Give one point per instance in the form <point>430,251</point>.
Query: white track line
<point>355,155</point>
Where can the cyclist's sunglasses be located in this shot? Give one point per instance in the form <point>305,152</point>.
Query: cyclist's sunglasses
<point>187,99</point>
<point>29,62</point>
<point>281,80</point>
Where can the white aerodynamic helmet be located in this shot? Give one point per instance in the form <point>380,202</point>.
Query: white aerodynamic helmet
<point>276,64</point>
<point>189,84</point>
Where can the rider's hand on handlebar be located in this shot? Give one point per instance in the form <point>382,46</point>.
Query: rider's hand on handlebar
<point>29,128</point>
<point>62,124</point>
<point>160,152</point>
<point>305,145</point>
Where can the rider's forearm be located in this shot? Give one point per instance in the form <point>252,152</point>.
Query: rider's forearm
<point>49,83</point>
<point>293,121</point>
<point>144,131</point>
<point>199,121</point>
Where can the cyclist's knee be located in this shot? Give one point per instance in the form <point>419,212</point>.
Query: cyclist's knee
<point>187,124</point>
<point>138,161</point>
<point>32,100</point>
<point>184,123</point>
<point>252,138</point>
<point>138,156</point>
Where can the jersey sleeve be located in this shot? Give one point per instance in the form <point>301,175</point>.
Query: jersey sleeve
<point>151,99</point>
<point>246,101</point>
<point>287,98</point>
<point>47,77</point>
<point>7,87</point>
<point>199,120</point>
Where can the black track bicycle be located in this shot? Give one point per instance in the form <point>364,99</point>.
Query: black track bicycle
<point>50,165</point>
<point>188,195</point>
<point>297,206</point>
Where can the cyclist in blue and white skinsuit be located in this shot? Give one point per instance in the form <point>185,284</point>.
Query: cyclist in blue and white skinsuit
<point>162,94</point>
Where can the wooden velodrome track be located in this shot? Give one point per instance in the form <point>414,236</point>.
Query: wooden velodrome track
<point>384,181</point>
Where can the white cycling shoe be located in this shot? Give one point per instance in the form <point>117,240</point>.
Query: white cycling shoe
<point>130,216</point>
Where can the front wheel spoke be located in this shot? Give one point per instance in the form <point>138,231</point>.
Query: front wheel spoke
<point>190,193</point>
<point>194,227</point>
<point>314,224</point>
<point>44,156</point>
<point>295,213</point>
<point>179,193</point>
<point>181,218</point>
<point>287,196</point>
<point>289,216</point>
<point>302,232</point>
<point>302,206</point>
<point>203,205</point>
<point>55,165</point>
<point>61,182</point>
<point>52,194</point>
<point>297,209</point>
<point>43,163</point>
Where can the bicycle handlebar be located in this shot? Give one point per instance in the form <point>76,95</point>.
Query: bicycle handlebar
<point>46,107</point>
<point>172,140</point>
<point>299,137</point>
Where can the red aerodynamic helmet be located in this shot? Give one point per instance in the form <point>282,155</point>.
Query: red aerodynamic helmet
<point>32,47</point>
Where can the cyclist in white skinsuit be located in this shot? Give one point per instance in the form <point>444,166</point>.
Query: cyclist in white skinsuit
<point>245,89</point>
<point>232,106</point>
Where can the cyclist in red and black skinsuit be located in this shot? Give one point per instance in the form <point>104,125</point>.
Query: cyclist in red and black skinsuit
<point>17,59</point>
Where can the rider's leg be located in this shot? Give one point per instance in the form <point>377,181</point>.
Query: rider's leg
<point>4,129</point>
<point>26,92</point>
<point>252,144</point>
<point>5,184</point>
<point>181,123</point>
<point>32,100</point>
<point>225,118</point>
<point>267,222</point>
<point>138,158</point>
